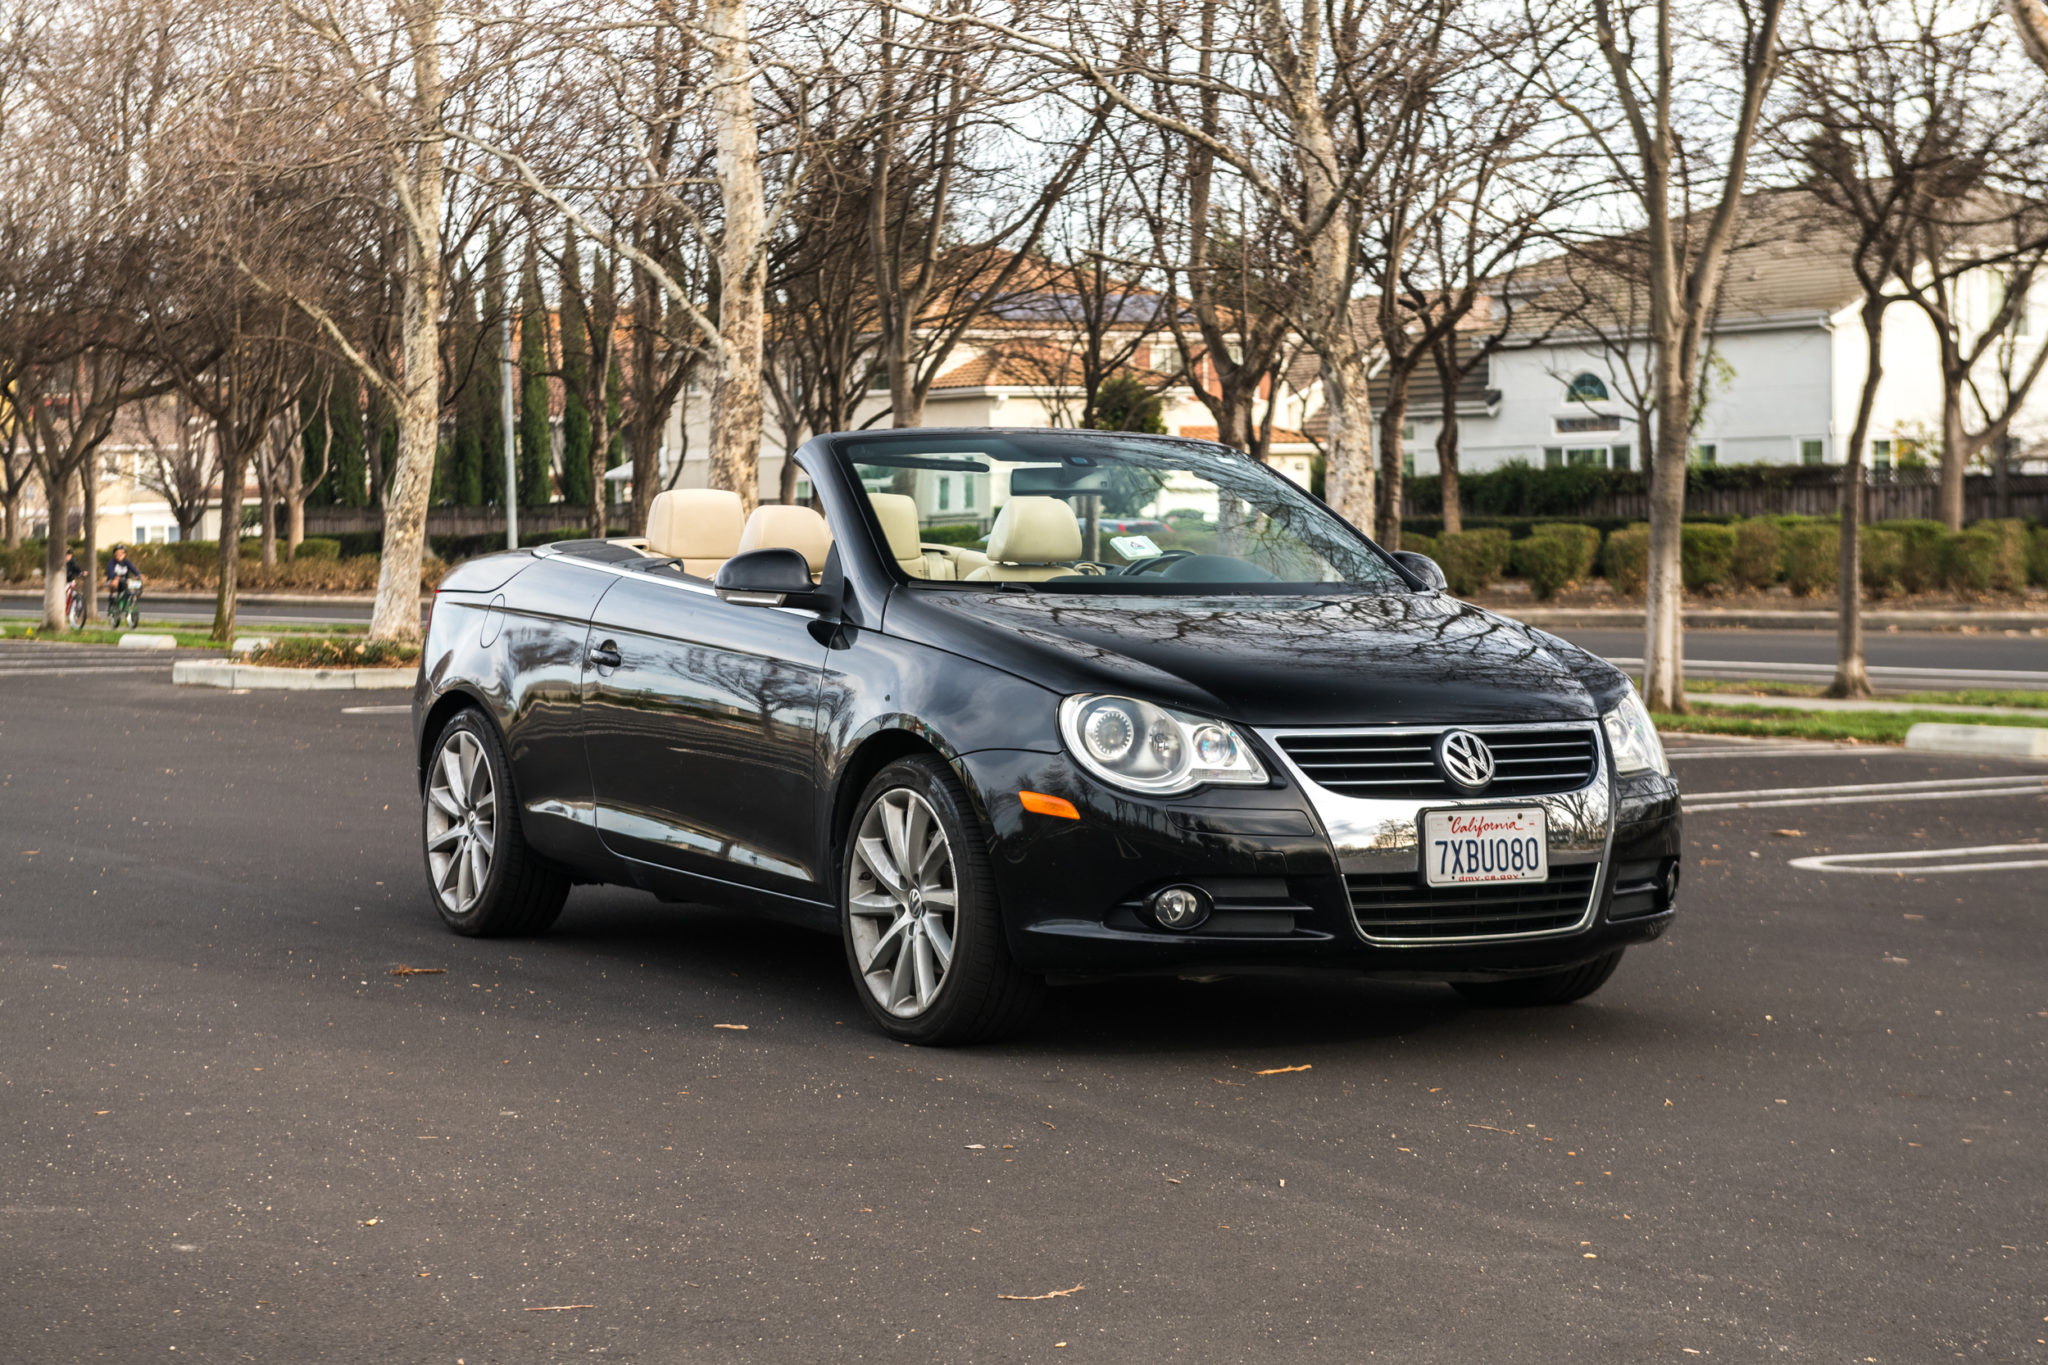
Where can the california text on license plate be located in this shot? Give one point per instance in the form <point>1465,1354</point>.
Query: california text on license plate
<point>1461,846</point>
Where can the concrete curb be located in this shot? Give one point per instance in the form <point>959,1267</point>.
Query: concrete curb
<point>134,641</point>
<point>1833,704</point>
<point>1709,618</point>
<point>1991,741</point>
<point>228,673</point>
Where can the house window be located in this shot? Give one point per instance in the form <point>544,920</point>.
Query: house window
<point>1567,426</point>
<point>967,492</point>
<point>945,492</point>
<point>1553,457</point>
<point>1618,456</point>
<point>1880,454</point>
<point>1703,454</point>
<point>1407,464</point>
<point>1811,452</point>
<point>1586,455</point>
<point>1587,388</point>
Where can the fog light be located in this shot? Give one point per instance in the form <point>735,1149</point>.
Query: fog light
<point>1669,891</point>
<point>1179,907</point>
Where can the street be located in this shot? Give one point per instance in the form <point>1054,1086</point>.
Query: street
<point>1806,1125</point>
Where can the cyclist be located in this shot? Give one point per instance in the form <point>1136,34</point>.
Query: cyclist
<point>72,571</point>
<point>124,583</point>
<point>75,590</point>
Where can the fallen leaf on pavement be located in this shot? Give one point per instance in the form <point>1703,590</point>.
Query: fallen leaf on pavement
<point>1790,833</point>
<point>741,1027</point>
<point>560,1307</point>
<point>1282,1070</point>
<point>977,1147</point>
<point>1055,1294</point>
<point>419,971</point>
<point>1491,1129</point>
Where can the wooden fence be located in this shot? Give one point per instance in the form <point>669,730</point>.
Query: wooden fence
<point>1884,499</point>
<point>452,521</point>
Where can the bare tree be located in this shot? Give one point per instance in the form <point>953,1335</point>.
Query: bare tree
<point>2031,18</point>
<point>1658,173</point>
<point>181,467</point>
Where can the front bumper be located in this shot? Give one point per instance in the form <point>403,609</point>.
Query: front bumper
<point>1273,862</point>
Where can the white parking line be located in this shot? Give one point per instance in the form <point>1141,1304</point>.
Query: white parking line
<point>1861,793</point>
<point>375,710</point>
<point>1860,862</point>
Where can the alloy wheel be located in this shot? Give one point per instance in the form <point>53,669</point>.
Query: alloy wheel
<point>904,903</point>
<point>462,822</point>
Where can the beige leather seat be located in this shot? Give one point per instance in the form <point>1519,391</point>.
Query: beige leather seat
<point>786,526</point>
<point>1033,539</point>
<point>898,514</point>
<point>699,526</point>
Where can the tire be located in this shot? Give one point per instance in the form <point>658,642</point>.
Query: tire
<point>895,938</point>
<point>1556,988</point>
<point>484,879</point>
<point>74,610</point>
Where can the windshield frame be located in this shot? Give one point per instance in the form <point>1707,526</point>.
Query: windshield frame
<point>838,448</point>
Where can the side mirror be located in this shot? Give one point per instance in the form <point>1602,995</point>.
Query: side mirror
<point>1423,567</point>
<point>771,578</point>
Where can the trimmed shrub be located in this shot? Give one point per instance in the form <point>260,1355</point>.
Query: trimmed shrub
<point>1884,554</point>
<point>1813,558</point>
<point>1970,561</point>
<point>1627,560</point>
<point>1759,554</point>
<point>1472,561</point>
<point>966,534</point>
<point>1584,539</point>
<point>1550,563</point>
<point>305,653</point>
<point>2010,572</point>
<point>2037,556</point>
<point>1920,568</point>
<point>318,547</point>
<point>1706,555</point>
<point>1423,545</point>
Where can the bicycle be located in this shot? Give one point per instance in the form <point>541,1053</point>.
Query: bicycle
<point>74,604</point>
<point>124,602</point>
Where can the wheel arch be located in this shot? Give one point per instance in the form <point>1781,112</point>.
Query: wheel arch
<point>887,742</point>
<point>445,709</point>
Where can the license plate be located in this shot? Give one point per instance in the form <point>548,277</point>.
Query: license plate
<point>1460,846</point>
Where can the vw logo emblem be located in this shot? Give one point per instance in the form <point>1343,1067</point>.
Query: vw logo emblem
<point>1465,760</point>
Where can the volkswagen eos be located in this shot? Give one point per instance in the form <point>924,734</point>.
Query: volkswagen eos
<point>1242,739</point>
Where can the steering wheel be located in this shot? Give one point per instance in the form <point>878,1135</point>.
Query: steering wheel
<point>1156,563</point>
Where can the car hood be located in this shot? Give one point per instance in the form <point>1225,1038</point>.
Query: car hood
<point>1418,658</point>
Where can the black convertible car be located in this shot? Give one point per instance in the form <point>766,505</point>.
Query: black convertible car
<point>1245,738</point>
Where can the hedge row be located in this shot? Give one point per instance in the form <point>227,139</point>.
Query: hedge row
<point>1521,489</point>
<point>1801,552</point>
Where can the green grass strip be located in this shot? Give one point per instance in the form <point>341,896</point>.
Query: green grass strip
<point>1870,727</point>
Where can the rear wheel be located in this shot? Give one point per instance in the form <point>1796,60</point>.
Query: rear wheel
<point>1555,988</point>
<point>485,881</point>
<point>918,913</point>
<point>74,607</point>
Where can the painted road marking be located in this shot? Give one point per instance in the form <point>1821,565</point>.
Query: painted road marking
<point>1952,789</point>
<point>376,710</point>
<point>1862,862</point>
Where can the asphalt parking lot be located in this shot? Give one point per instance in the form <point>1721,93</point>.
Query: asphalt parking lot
<point>1807,1125</point>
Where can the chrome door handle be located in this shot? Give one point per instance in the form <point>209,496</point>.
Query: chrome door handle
<point>606,655</point>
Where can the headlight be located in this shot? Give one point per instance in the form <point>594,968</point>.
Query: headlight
<point>1145,748</point>
<point>1633,739</point>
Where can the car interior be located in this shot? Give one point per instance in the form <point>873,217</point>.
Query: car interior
<point>1033,539</point>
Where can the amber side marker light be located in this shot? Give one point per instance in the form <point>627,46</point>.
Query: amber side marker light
<point>1038,803</point>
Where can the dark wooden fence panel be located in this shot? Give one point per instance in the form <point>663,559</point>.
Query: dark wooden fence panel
<point>2024,495</point>
<point>447,521</point>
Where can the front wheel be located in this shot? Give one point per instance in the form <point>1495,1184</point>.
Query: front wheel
<point>918,913</point>
<point>1554,988</point>
<point>485,881</point>
<point>74,608</point>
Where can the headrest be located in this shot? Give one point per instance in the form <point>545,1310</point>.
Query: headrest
<point>898,514</point>
<point>787,526</point>
<point>694,523</point>
<point>1034,530</point>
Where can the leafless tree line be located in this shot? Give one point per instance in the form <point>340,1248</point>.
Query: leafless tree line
<point>253,211</point>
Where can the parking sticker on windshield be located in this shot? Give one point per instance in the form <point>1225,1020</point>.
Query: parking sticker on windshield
<point>1134,547</point>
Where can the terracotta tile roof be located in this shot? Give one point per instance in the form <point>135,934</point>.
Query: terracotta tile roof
<point>1282,436</point>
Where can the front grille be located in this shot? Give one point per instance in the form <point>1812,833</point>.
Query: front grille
<point>1402,763</point>
<point>1398,905</point>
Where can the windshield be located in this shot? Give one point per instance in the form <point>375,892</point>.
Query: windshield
<point>1102,512</point>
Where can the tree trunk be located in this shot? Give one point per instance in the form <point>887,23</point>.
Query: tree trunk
<point>2031,16</point>
<point>644,431</point>
<point>266,512</point>
<point>736,405</point>
<point>1447,450</point>
<point>295,512</point>
<point>233,475</point>
<point>1347,455</point>
<point>1393,417</point>
<point>1851,678</point>
<point>1955,458</point>
<point>89,527</point>
<point>58,493</point>
<point>396,615</point>
<point>1664,600</point>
